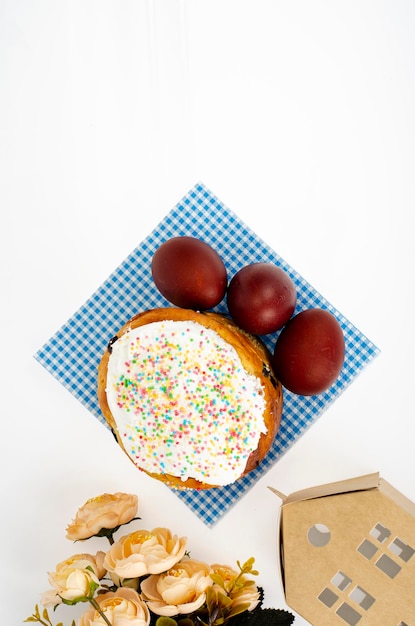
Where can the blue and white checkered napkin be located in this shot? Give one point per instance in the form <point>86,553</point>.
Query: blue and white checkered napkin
<point>73,353</point>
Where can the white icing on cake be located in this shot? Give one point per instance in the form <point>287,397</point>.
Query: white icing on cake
<point>183,403</point>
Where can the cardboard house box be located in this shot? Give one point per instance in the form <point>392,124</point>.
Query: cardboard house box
<point>347,553</point>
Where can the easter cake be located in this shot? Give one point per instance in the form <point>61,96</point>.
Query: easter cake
<point>190,397</point>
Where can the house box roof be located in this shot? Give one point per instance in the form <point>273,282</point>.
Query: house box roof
<point>347,553</point>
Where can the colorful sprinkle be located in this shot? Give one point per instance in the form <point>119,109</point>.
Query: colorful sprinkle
<point>183,402</point>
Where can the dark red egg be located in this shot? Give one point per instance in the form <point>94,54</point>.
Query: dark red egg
<point>261,298</point>
<point>189,273</point>
<point>309,352</point>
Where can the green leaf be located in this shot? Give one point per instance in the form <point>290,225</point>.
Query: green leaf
<point>218,580</point>
<point>224,601</point>
<point>35,617</point>
<point>211,596</point>
<point>239,608</point>
<point>166,621</point>
<point>132,583</point>
<point>76,601</point>
<point>241,584</point>
<point>246,568</point>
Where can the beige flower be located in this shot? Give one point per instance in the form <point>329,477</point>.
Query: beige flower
<point>246,595</point>
<point>75,579</point>
<point>100,568</point>
<point>121,608</point>
<point>144,552</point>
<point>50,598</point>
<point>239,588</point>
<point>108,511</point>
<point>180,590</point>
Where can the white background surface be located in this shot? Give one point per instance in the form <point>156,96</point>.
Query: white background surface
<point>300,117</point>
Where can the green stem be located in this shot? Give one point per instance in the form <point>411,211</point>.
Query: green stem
<point>96,606</point>
<point>234,583</point>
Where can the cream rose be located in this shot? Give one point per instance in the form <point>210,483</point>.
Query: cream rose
<point>144,552</point>
<point>122,608</point>
<point>180,590</point>
<point>75,579</point>
<point>240,589</point>
<point>108,511</point>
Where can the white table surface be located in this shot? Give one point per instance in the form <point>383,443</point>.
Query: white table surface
<point>299,116</point>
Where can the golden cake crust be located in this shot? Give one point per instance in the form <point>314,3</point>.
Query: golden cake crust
<point>255,359</point>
